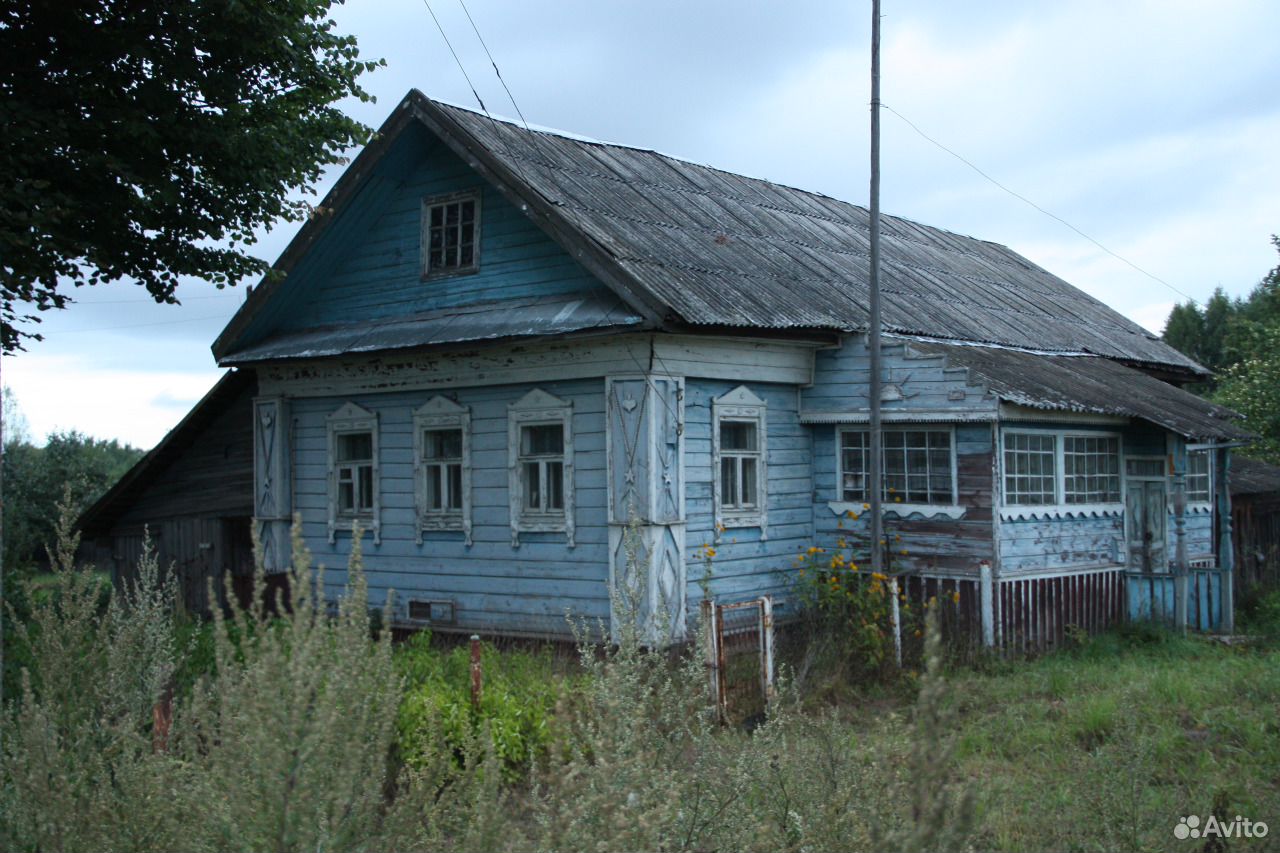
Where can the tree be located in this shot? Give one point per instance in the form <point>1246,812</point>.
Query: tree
<point>1184,330</point>
<point>1252,387</point>
<point>148,141</point>
<point>36,479</point>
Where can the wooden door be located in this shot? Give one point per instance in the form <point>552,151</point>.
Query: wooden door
<point>1145,507</point>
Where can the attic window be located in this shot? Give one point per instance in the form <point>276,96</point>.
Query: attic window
<point>450,234</point>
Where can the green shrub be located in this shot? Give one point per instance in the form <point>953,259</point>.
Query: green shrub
<point>519,695</point>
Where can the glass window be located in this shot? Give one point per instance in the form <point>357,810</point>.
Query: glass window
<point>450,235</point>
<point>1030,468</point>
<point>354,464</point>
<point>442,467</point>
<point>1091,469</point>
<point>542,467</point>
<point>917,466</point>
<point>739,465</point>
<point>1199,480</point>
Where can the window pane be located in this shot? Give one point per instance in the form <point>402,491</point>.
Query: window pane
<point>442,444</point>
<point>555,485</point>
<point>542,440</point>
<point>729,481</point>
<point>455,486</point>
<point>355,446</point>
<point>748,482</point>
<point>532,485</point>
<point>737,435</point>
<point>435,494</point>
<point>346,496</point>
<point>1091,467</point>
<point>366,487</point>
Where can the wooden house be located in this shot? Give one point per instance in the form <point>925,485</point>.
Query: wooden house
<point>1255,511</point>
<point>533,368</point>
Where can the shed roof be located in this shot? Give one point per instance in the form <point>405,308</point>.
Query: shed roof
<point>98,519</point>
<point>686,244</point>
<point>1088,384</point>
<point>1253,477</point>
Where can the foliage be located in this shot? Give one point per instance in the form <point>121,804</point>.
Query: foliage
<point>148,141</point>
<point>286,748</point>
<point>518,697</point>
<point>1238,340</point>
<point>1252,387</point>
<point>71,467</point>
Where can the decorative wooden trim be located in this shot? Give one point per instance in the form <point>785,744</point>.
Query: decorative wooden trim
<point>510,364</point>
<point>921,416</point>
<point>353,418</point>
<point>955,512</point>
<point>534,408</point>
<point>742,405</point>
<point>1052,511</point>
<point>441,413</point>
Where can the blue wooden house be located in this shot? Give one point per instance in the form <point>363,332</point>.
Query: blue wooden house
<point>531,367</point>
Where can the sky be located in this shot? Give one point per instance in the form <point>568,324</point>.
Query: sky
<point>1151,127</point>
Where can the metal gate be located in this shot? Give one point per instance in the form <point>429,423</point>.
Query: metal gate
<point>739,657</point>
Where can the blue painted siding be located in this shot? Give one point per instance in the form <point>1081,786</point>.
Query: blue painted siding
<point>934,545</point>
<point>745,566</point>
<point>1061,543</point>
<point>496,587</point>
<point>369,264</point>
<point>842,377</point>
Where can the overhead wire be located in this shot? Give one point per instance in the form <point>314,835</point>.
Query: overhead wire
<point>1031,203</point>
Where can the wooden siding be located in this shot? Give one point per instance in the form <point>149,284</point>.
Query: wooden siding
<point>494,586</point>
<point>747,565</point>
<point>1061,542</point>
<point>212,477</point>
<point>842,377</point>
<point>1152,597</point>
<point>377,271</point>
<point>934,545</point>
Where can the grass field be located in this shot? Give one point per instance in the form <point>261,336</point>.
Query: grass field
<point>1106,746</point>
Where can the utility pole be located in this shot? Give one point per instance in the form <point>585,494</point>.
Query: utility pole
<point>873,323</point>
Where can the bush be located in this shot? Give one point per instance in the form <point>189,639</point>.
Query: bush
<point>515,714</point>
<point>286,747</point>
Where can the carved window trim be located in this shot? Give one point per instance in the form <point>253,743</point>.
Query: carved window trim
<point>538,408</point>
<point>441,413</point>
<point>347,420</point>
<point>742,406</point>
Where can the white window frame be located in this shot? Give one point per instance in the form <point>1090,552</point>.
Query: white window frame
<point>741,405</point>
<point>842,504</point>
<point>538,408</point>
<point>349,419</point>
<point>1206,503</point>
<point>1059,504</point>
<point>439,414</point>
<point>443,200</point>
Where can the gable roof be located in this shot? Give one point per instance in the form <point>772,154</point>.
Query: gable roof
<point>690,245</point>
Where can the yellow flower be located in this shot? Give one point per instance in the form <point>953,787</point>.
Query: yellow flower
<point>904,552</point>
<point>710,552</point>
<point>866,506</point>
<point>955,596</point>
<point>814,549</point>
<point>877,576</point>
<point>897,499</point>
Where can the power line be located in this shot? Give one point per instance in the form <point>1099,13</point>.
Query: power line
<point>140,325</point>
<point>456,58</point>
<point>494,63</point>
<point>1028,201</point>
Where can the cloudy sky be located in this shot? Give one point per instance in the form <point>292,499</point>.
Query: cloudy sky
<point>1152,127</point>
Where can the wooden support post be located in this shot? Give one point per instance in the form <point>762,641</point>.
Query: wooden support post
<point>1178,456</point>
<point>712,653</point>
<point>477,673</point>
<point>1226,547</point>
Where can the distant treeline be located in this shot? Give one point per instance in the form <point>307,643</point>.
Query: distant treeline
<point>1239,340</point>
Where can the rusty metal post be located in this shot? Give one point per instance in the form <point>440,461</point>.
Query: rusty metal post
<point>162,721</point>
<point>477,674</point>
